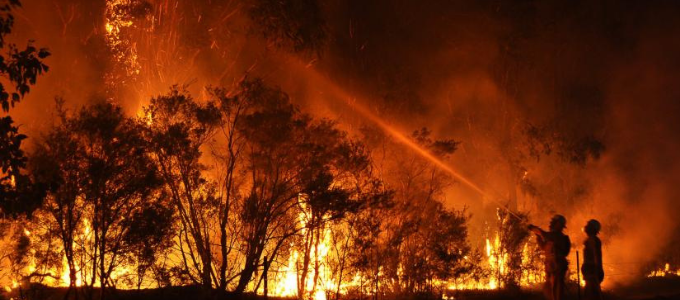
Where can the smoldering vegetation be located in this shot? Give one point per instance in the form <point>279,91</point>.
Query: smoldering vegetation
<point>547,107</point>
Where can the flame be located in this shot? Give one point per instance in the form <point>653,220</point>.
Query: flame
<point>496,266</point>
<point>66,278</point>
<point>286,285</point>
<point>125,52</point>
<point>665,271</point>
<point>145,116</point>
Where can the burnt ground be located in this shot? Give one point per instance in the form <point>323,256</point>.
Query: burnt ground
<point>646,289</point>
<point>660,288</point>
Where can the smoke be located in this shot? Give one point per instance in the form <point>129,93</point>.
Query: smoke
<point>477,72</point>
<point>641,168</point>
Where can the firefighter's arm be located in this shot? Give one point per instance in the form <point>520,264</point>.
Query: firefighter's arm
<point>538,232</point>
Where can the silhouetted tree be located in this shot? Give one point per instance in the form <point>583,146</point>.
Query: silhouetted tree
<point>270,163</point>
<point>20,67</point>
<point>512,236</point>
<point>57,164</point>
<point>177,129</point>
<point>337,182</point>
<point>149,237</point>
<point>418,240</point>
<point>276,157</point>
<point>100,178</point>
<point>374,204</point>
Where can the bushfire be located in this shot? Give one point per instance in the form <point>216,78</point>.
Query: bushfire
<point>285,279</point>
<point>329,150</point>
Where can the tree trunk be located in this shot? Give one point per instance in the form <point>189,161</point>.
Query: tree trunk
<point>252,259</point>
<point>266,268</point>
<point>316,259</point>
<point>302,279</point>
<point>223,249</point>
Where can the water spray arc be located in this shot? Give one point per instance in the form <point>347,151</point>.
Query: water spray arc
<point>425,154</point>
<point>353,104</point>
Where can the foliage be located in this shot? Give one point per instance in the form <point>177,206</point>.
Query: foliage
<point>20,67</point>
<point>297,24</point>
<point>299,166</point>
<point>416,241</point>
<point>231,185</point>
<point>576,150</point>
<point>149,237</point>
<point>176,129</point>
<point>512,235</point>
<point>436,249</point>
<point>101,181</point>
<point>270,165</point>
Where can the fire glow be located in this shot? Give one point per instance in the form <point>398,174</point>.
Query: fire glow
<point>665,271</point>
<point>381,242</point>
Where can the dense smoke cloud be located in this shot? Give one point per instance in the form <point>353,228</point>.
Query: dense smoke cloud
<point>477,72</point>
<point>601,70</point>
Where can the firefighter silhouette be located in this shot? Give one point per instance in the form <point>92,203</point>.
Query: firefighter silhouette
<point>592,270</point>
<point>555,245</point>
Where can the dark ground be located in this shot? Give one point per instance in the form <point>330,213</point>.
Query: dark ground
<point>646,289</point>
